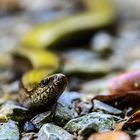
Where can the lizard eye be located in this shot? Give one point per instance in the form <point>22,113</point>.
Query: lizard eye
<point>44,83</point>
<point>56,78</point>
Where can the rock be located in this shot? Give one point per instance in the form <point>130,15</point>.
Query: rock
<point>98,105</point>
<point>110,136</point>
<point>40,119</point>
<point>94,67</point>
<point>29,127</point>
<point>82,62</point>
<point>9,131</point>
<point>7,75</point>
<point>95,87</point>
<point>137,133</point>
<point>3,118</point>
<point>95,121</point>
<point>123,45</point>
<point>49,5</point>
<point>14,86</point>
<point>84,108</point>
<point>123,10</point>
<point>102,43</point>
<point>14,111</point>
<point>52,132</point>
<point>134,66</point>
<point>65,108</point>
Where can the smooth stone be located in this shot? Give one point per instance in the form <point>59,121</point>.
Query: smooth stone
<point>134,66</point>
<point>137,132</point>
<point>65,108</point>
<point>84,108</point>
<point>52,132</point>
<point>13,87</point>
<point>14,111</point>
<point>40,119</point>
<point>48,5</point>
<point>10,89</point>
<point>85,62</point>
<point>95,87</point>
<point>98,105</point>
<point>7,75</point>
<point>95,121</point>
<point>88,67</point>
<point>102,43</point>
<point>9,131</point>
<point>122,45</point>
<point>29,127</point>
<point>3,118</point>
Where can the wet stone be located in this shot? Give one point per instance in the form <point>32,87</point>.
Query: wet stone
<point>95,121</point>
<point>7,75</point>
<point>9,131</point>
<point>134,66</point>
<point>137,133</point>
<point>65,108</point>
<point>3,118</point>
<point>84,108</point>
<point>87,63</point>
<point>40,119</point>
<point>98,105</point>
<point>29,127</point>
<point>102,43</point>
<point>52,132</point>
<point>95,87</point>
<point>3,97</point>
<point>14,111</point>
<point>52,5</point>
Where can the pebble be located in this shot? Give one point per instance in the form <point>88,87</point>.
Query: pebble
<point>98,105</point>
<point>40,119</point>
<point>9,131</point>
<point>52,132</point>
<point>65,108</point>
<point>29,127</point>
<point>102,43</point>
<point>95,121</point>
<point>14,111</point>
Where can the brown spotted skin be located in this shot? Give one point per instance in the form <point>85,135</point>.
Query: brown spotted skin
<point>44,93</point>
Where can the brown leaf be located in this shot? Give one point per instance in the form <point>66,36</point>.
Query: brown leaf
<point>133,121</point>
<point>122,101</point>
<point>110,136</point>
<point>119,125</point>
<point>126,82</point>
